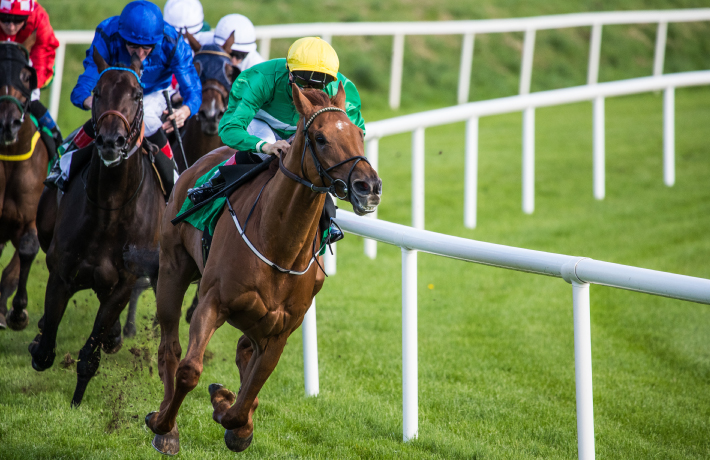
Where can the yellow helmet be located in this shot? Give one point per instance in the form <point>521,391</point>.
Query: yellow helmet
<point>313,54</point>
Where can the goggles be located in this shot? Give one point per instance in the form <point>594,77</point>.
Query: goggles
<point>315,80</point>
<point>12,18</point>
<point>143,47</point>
<point>240,55</point>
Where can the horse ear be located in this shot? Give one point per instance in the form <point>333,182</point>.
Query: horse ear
<point>194,44</point>
<point>30,41</point>
<point>339,99</point>
<point>227,47</point>
<point>101,65</point>
<point>231,71</point>
<point>136,63</point>
<point>303,105</point>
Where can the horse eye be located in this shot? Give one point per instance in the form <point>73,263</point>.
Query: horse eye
<point>320,139</point>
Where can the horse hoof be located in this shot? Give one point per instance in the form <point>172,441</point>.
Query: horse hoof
<point>214,387</point>
<point>40,363</point>
<point>154,430</point>
<point>129,330</point>
<point>112,345</point>
<point>18,321</point>
<point>236,444</point>
<point>168,444</point>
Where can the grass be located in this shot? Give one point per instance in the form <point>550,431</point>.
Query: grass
<point>496,375</point>
<point>495,347</point>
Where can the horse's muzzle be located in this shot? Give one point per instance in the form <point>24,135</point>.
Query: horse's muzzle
<point>9,131</point>
<point>365,195</point>
<point>110,149</point>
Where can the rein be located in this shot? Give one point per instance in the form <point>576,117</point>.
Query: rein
<point>322,172</point>
<point>134,129</point>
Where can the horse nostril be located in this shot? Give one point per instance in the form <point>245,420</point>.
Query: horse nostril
<point>120,141</point>
<point>16,123</point>
<point>361,187</point>
<point>100,141</point>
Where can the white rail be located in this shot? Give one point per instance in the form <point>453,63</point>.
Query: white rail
<point>468,30</point>
<point>527,103</point>
<point>580,272</point>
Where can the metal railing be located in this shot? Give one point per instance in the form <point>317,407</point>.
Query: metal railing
<point>468,30</point>
<point>580,272</point>
<point>472,111</point>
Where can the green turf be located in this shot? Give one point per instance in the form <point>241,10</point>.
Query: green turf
<point>495,347</point>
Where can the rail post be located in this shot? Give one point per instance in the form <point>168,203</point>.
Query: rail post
<point>583,370</point>
<point>373,157</point>
<point>529,160</point>
<point>418,178</point>
<point>599,148</point>
<point>396,73</point>
<point>330,260</point>
<point>595,45</point>
<point>660,53</point>
<point>310,351</point>
<point>56,92</point>
<point>265,47</point>
<point>669,136</point>
<point>465,70</point>
<point>410,384</point>
<point>527,64</point>
<point>470,197</point>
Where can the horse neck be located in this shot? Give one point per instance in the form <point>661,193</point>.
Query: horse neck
<point>291,211</point>
<point>114,187</point>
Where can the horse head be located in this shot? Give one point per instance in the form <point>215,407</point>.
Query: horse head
<point>117,110</point>
<point>17,80</point>
<point>336,149</point>
<point>213,65</point>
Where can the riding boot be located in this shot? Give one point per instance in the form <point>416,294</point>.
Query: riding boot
<point>164,161</point>
<point>48,129</point>
<point>199,194</point>
<point>77,142</point>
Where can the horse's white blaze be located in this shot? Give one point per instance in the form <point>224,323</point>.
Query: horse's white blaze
<point>340,125</point>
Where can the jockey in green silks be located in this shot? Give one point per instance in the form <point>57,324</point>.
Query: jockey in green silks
<point>261,117</point>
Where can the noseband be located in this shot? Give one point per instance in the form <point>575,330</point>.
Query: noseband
<point>134,129</point>
<point>322,172</point>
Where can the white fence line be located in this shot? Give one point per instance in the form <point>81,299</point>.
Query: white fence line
<point>578,271</point>
<point>468,30</point>
<point>472,111</point>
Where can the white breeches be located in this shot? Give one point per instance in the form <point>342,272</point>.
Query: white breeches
<point>153,107</point>
<point>264,132</point>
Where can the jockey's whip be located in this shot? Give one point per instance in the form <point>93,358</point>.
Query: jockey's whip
<point>166,95</point>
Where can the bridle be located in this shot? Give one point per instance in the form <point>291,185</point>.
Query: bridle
<point>134,129</point>
<point>26,93</point>
<point>322,172</point>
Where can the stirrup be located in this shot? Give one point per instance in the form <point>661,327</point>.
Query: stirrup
<point>333,233</point>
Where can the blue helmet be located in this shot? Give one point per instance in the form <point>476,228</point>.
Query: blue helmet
<point>141,22</point>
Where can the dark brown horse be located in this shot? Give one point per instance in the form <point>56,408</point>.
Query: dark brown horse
<point>107,224</point>
<point>23,167</point>
<point>200,136</point>
<point>263,302</point>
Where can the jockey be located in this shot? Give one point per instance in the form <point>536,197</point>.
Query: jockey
<point>139,30</point>
<point>244,53</point>
<point>261,116</point>
<point>18,20</point>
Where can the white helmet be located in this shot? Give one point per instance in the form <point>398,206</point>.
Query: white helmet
<point>184,15</point>
<point>243,29</point>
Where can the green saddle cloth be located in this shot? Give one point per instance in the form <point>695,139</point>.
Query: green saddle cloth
<point>207,216</point>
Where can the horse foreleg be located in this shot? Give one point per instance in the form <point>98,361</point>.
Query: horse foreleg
<point>46,217</point>
<point>27,249</point>
<point>173,281</point>
<point>206,320</point>
<point>8,284</point>
<point>237,419</point>
<point>90,354</point>
<point>43,346</point>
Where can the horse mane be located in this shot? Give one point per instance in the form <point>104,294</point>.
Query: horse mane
<point>317,97</point>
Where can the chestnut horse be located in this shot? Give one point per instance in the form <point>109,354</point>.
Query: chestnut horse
<point>107,223</point>
<point>23,167</point>
<point>264,302</point>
